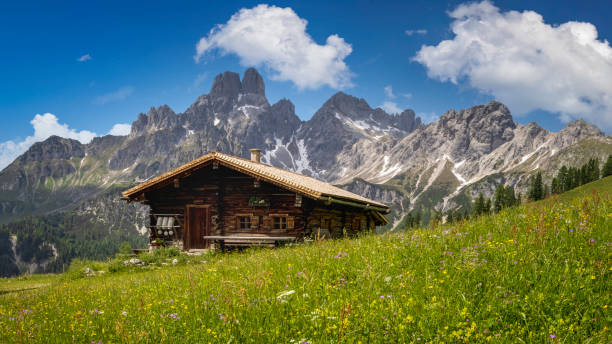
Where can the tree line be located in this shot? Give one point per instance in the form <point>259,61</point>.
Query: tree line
<point>505,196</point>
<point>71,235</point>
<point>569,178</point>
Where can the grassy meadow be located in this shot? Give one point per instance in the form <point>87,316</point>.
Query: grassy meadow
<point>540,273</point>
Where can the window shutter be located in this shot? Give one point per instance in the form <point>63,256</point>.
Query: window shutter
<point>267,222</point>
<point>232,223</point>
<point>254,222</point>
<point>290,222</point>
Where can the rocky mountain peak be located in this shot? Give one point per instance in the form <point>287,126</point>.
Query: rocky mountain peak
<point>408,121</point>
<point>162,117</point>
<point>284,105</point>
<point>532,129</point>
<point>226,84</point>
<point>580,128</point>
<point>481,128</point>
<point>53,148</point>
<point>252,82</point>
<point>352,106</point>
<point>493,114</point>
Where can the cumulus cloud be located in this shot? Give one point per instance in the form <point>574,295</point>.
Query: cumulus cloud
<point>120,129</point>
<point>415,32</point>
<point>114,96</point>
<point>44,126</point>
<point>390,107</point>
<point>84,58</point>
<point>276,38</point>
<point>526,63</point>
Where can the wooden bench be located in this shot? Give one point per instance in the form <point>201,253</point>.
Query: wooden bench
<point>242,240</point>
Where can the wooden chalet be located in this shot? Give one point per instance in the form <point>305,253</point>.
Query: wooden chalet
<point>223,199</point>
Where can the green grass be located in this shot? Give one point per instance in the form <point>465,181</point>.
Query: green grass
<point>535,273</point>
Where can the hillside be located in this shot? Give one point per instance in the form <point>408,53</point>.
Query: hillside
<point>535,273</point>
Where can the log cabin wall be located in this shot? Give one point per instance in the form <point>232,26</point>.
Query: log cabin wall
<point>241,198</point>
<point>230,195</point>
<point>335,221</point>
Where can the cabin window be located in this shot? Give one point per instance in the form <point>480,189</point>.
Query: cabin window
<point>280,222</point>
<point>244,222</point>
<point>357,224</point>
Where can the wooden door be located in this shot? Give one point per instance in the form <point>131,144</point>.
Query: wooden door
<point>197,226</point>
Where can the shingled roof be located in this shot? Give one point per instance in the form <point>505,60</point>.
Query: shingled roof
<point>299,183</point>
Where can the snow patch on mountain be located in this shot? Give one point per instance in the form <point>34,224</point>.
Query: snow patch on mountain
<point>387,171</point>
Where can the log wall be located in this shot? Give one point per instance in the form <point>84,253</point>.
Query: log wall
<point>230,194</point>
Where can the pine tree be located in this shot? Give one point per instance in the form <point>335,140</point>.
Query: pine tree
<point>563,179</point>
<point>499,196</point>
<point>487,207</point>
<point>593,169</point>
<point>409,220</point>
<point>584,175</point>
<point>514,201</point>
<point>577,178</point>
<point>554,186</point>
<point>479,205</point>
<point>536,189</point>
<point>606,170</point>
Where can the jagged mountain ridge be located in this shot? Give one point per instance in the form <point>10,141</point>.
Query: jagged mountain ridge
<point>391,158</point>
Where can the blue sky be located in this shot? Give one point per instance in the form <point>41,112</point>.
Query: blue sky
<point>138,55</point>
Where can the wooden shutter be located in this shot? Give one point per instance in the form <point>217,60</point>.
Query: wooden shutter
<point>254,222</point>
<point>267,222</point>
<point>232,223</point>
<point>290,222</point>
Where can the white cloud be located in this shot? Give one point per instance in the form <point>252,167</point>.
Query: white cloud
<point>526,63</point>
<point>120,129</point>
<point>390,107</point>
<point>44,126</point>
<point>117,95</point>
<point>84,58</point>
<point>389,92</point>
<point>407,95</point>
<point>276,38</point>
<point>415,32</point>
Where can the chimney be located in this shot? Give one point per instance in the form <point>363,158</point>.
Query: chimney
<point>256,155</point>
